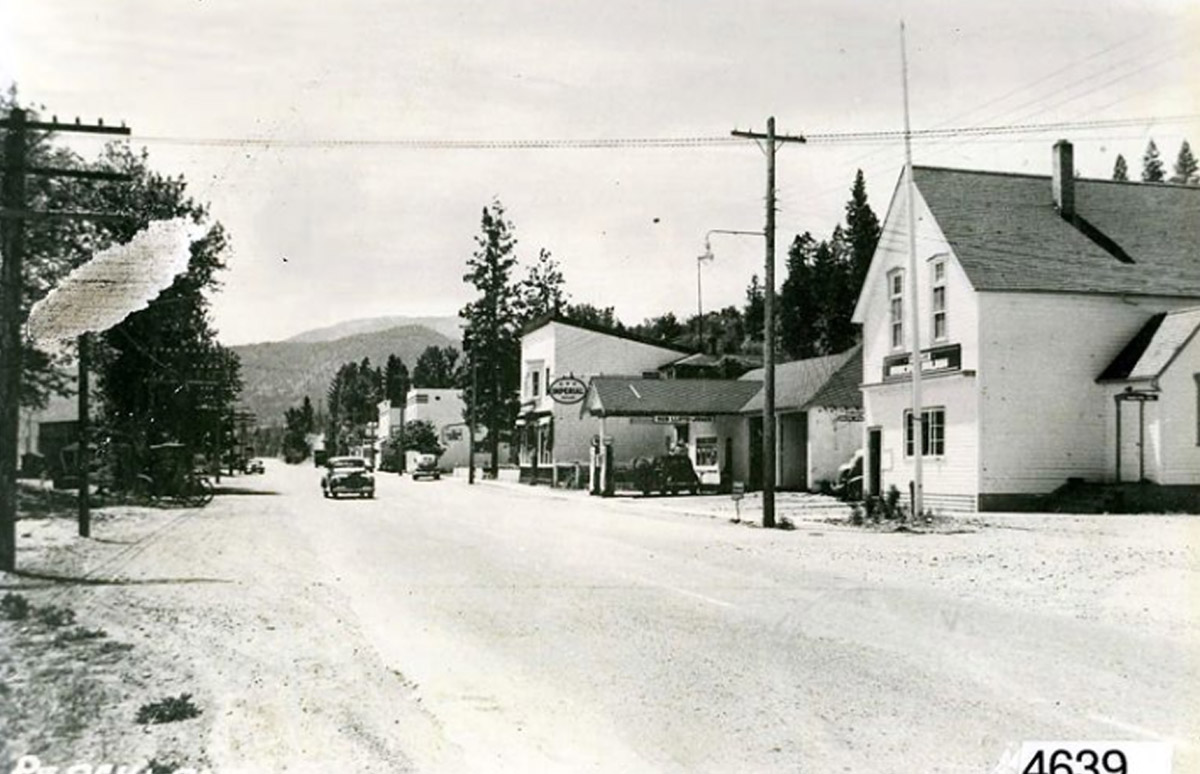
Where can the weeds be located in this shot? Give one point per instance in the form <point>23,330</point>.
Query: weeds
<point>79,634</point>
<point>14,607</point>
<point>169,710</point>
<point>55,616</point>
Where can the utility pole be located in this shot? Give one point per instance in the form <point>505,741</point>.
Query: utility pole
<point>85,433</point>
<point>471,430</point>
<point>770,143</point>
<point>13,214</point>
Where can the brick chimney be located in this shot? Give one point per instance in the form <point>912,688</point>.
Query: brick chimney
<point>1063,180</point>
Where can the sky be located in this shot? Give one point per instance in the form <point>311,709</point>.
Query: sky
<point>294,121</point>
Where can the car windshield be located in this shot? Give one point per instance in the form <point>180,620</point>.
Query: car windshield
<point>347,462</point>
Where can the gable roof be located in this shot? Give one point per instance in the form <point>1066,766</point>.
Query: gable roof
<point>1154,348</point>
<point>625,396</point>
<point>544,320</point>
<point>1008,236</point>
<point>829,380</point>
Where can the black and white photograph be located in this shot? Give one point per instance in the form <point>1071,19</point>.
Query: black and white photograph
<point>546,386</point>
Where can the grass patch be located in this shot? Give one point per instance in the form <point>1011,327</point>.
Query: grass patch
<point>169,710</point>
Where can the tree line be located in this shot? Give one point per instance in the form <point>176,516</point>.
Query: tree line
<point>1153,170</point>
<point>353,396</point>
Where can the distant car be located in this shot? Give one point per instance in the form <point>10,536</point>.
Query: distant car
<point>667,473</point>
<point>347,475</point>
<point>255,466</point>
<point>427,467</point>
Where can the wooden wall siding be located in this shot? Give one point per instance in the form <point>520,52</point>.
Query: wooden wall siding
<point>1043,417</point>
<point>956,474</point>
<point>962,313</point>
<point>1179,423</point>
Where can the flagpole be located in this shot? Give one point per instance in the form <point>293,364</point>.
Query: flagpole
<point>918,419</point>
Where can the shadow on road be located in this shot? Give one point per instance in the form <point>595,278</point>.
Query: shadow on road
<point>51,580</point>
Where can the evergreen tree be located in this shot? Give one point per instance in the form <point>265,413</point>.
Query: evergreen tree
<point>798,310</point>
<point>542,292</point>
<point>298,423</point>
<point>1120,169</point>
<point>491,338</point>
<point>395,381</point>
<point>1152,166</point>
<point>162,374</point>
<point>1185,166</point>
<point>753,312</point>
<point>862,232</point>
<point>422,437</point>
<point>436,368</point>
<point>604,317</point>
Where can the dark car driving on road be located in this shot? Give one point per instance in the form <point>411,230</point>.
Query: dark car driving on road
<point>347,475</point>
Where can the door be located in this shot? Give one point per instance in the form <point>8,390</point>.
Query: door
<point>1130,438</point>
<point>874,460</point>
<point>756,454</point>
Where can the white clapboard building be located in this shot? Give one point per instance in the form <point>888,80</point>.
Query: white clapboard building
<point>1057,336</point>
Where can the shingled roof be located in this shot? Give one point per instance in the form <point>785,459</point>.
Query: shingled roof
<point>1152,350</point>
<point>1008,236</point>
<point>829,380</point>
<point>625,396</point>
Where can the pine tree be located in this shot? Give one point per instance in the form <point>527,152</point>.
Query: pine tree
<point>798,310</point>
<point>1152,166</point>
<point>436,368</point>
<point>542,292</point>
<point>862,232</point>
<point>754,311</point>
<point>1120,169</point>
<point>395,381</point>
<point>491,338</point>
<point>1185,166</point>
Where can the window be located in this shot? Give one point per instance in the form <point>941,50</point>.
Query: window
<point>937,279</point>
<point>420,397</point>
<point>706,452</point>
<point>1197,378</point>
<point>896,307</point>
<point>534,381</point>
<point>933,433</point>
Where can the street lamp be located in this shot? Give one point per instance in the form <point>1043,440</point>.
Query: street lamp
<point>707,255</point>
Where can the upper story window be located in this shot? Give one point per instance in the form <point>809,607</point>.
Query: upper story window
<point>533,378</point>
<point>896,307</point>
<point>937,283</point>
<point>420,397</point>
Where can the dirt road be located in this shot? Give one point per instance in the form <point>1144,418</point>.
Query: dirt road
<point>446,628</point>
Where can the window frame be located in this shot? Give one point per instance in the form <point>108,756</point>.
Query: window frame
<point>935,284</point>
<point>928,440</point>
<point>895,288</point>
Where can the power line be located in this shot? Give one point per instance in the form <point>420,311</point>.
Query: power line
<point>824,138</point>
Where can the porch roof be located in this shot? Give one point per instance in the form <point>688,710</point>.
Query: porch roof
<point>1154,348</point>
<point>623,396</point>
<point>831,381</point>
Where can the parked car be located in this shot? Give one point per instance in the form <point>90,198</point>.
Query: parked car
<point>427,467</point>
<point>347,475</point>
<point>255,466</point>
<point>849,484</point>
<point>667,473</point>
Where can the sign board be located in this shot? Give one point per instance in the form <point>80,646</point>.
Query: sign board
<point>850,415</point>
<point>567,389</point>
<point>739,490</point>
<point>677,419</point>
<point>935,360</point>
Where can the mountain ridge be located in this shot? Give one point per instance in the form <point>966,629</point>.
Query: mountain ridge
<point>280,374</point>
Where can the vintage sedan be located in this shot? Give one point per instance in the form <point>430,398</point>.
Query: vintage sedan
<point>347,475</point>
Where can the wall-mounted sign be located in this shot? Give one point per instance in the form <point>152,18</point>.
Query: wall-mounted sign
<point>676,419</point>
<point>935,360</point>
<point>849,415</point>
<point>567,389</point>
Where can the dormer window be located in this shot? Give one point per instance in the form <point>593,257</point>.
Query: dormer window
<point>937,282</point>
<point>896,307</point>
